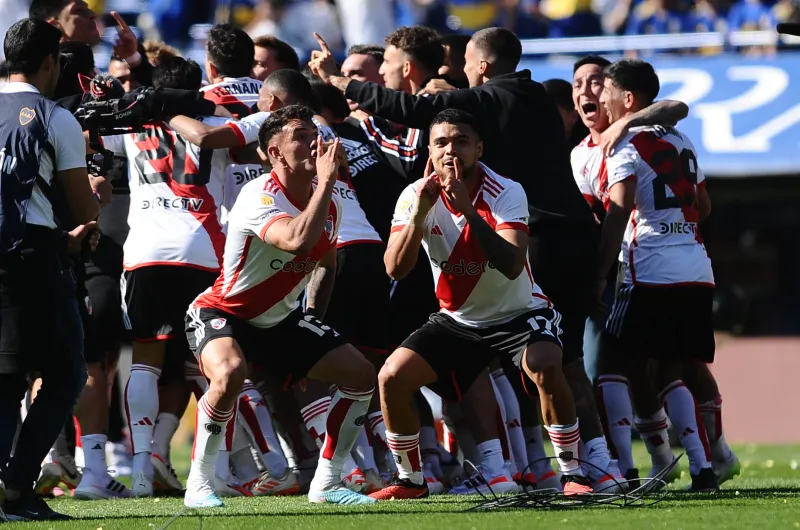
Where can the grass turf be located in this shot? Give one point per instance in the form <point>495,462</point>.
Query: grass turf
<point>765,495</point>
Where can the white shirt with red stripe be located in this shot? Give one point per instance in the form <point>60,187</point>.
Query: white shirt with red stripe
<point>260,283</point>
<point>355,226</point>
<point>662,245</point>
<point>176,194</point>
<point>590,172</point>
<point>468,287</point>
<point>237,94</point>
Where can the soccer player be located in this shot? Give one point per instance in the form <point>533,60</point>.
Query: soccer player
<point>230,54</point>
<point>281,240</point>
<point>473,224</point>
<point>663,308</point>
<point>271,55</point>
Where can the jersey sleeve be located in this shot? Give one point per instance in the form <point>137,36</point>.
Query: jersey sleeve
<point>402,211</point>
<point>623,164</point>
<point>511,209</point>
<point>247,128</point>
<point>260,212</point>
<point>67,140</point>
<point>701,177</point>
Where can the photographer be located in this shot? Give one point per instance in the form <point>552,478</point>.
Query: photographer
<point>44,180</point>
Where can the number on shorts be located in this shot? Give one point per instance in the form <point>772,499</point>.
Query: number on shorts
<point>546,329</point>
<point>312,324</point>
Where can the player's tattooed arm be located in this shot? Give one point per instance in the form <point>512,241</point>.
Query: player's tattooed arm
<point>666,112</point>
<point>320,286</point>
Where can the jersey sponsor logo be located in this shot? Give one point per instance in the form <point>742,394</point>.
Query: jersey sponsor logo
<point>218,323</point>
<point>345,192</point>
<point>463,267</point>
<point>173,203</point>
<point>267,200</point>
<point>8,163</point>
<point>677,228</point>
<point>329,227</point>
<point>247,174</point>
<point>269,213</point>
<point>306,266</point>
<point>26,116</point>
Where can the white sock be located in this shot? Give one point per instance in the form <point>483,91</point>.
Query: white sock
<point>223,466</point>
<point>502,429</point>
<point>94,454</point>
<point>345,420</point>
<point>711,415</point>
<point>653,431</point>
<point>209,436</point>
<point>566,441</point>
<point>141,404</point>
<point>616,415</point>
<point>683,415</point>
<point>537,457</point>
<point>407,456</point>
<point>165,428</point>
<point>492,457</point>
<point>513,420</point>
<point>256,420</point>
<point>362,451</point>
<point>597,454</point>
<point>241,459</point>
<point>314,416</point>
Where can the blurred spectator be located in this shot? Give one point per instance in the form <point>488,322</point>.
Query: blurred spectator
<point>657,17</point>
<point>365,21</point>
<point>786,11</point>
<point>707,15</point>
<point>455,46</point>
<point>469,16</point>
<point>295,22</point>
<point>273,54</point>
<point>12,10</point>
<point>72,17</point>
<point>157,50</point>
<point>120,69</point>
<point>570,18</point>
<point>751,15</point>
<point>266,18</point>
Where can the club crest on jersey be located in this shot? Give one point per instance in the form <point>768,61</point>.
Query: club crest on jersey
<point>329,227</point>
<point>218,323</point>
<point>26,116</point>
<point>267,200</point>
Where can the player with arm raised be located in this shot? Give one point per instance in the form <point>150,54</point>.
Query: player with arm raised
<point>473,224</point>
<point>663,307</point>
<point>281,230</point>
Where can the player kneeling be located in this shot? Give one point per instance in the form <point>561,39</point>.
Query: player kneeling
<point>473,224</point>
<point>281,232</point>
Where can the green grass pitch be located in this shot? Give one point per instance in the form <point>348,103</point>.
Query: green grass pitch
<point>765,496</point>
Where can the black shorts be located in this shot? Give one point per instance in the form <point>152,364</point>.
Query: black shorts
<point>458,354</point>
<point>157,298</point>
<point>564,268</point>
<point>412,301</point>
<point>103,323</point>
<point>287,350</point>
<point>359,306</point>
<point>669,323</point>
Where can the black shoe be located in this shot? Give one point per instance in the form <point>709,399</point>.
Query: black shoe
<point>704,482</point>
<point>632,476</point>
<point>31,507</point>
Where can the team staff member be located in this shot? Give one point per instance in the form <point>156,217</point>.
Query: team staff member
<point>42,150</point>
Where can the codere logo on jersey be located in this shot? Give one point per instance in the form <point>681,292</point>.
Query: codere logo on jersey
<point>463,267</point>
<point>306,266</point>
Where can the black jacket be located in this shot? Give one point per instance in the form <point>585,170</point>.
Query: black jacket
<point>522,132</point>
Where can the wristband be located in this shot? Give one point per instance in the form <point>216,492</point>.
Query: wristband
<point>136,58</point>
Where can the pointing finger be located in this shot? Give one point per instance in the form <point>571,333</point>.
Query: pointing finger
<point>322,44</point>
<point>120,21</point>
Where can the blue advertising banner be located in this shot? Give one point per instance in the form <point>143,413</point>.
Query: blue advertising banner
<point>744,117</point>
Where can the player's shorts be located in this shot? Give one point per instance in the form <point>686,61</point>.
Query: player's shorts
<point>103,324</point>
<point>412,301</point>
<point>287,350</point>
<point>664,322</point>
<point>359,306</point>
<point>564,268</point>
<point>458,354</point>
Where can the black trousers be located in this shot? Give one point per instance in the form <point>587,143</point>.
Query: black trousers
<point>40,334</point>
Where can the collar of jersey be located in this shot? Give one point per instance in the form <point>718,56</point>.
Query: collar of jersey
<point>473,194</point>
<point>274,177</point>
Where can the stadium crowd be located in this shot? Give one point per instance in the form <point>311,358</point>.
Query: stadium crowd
<point>311,245</point>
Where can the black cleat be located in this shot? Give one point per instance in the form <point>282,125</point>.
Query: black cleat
<point>632,476</point>
<point>31,507</point>
<point>704,482</point>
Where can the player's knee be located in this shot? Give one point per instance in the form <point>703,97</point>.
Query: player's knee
<point>543,364</point>
<point>230,376</point>
<point>393,379</point>
<point>364,372</point>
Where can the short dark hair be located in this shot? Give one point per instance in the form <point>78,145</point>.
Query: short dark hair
<point>279,119</point>
<point>457,42</point>
<point>457,117</point>
<point>635,75</point>
<point>76,59</point>
<point>3,69</point>
<point>46,9</point>
<point>295,85</point>
<point>284,53</point>
<point>598,60</point>
<point>28,43</point>
<point>499,46</point>
<point>421,43</point>
<point>373,50</point>
<point>178,73</point>
<point>561,91</point>
<point>331,98</point>
<point>230,50</point>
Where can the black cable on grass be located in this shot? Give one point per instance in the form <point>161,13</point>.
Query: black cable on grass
<point>181,514</point>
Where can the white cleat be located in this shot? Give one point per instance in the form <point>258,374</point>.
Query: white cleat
<point>549,481</point>
<point>202,497</point>
<point>49,478</point>
<point>727,469</point>
<point>671,477</point>
<point>611,481</point>
<point>100,488</point>
<point>435,486</point>
<point>231,488</point>
<point>498,484</point>
<point>355,481</point>
<point>267,485</point>
<point>164,477</point>
<point>142,485</point>
<point>339,495</point>
<point>374,482</point>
